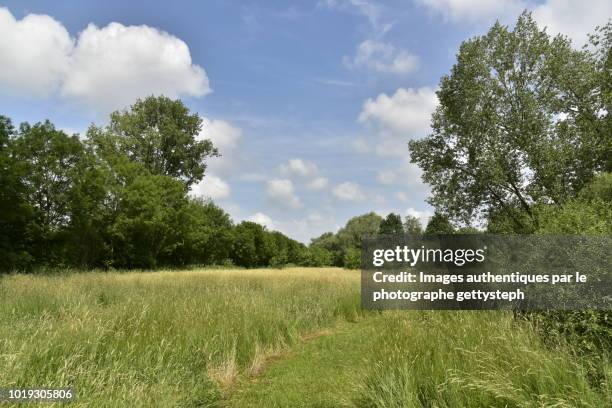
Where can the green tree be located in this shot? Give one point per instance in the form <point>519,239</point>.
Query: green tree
<point>208,237</point>
<point>64,189</point>
<point>162,135</point>
<point>392,224</point>
<point>521,121</point>
<point>149,224</point>
<point>252,245</point>
<point>318,256</point>
<point>412,225</point>
<point>15,212</point>
<point>439,224</point>
<point>358,227</point>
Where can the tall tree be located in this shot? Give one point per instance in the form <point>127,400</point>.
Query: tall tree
<point>61,185</point>
<point>412,225</point>
<point>439,224</point>
<point>392,224</point>
<point>160,133</point>
<point>520,121</point>
<point>15,212</point>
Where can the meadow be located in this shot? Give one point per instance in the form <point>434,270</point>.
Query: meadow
<point>270,337</point>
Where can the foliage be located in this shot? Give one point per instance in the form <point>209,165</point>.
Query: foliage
<point>522,120</point>
<point>412,225</point>
<point>391,225</point>
<point>590,331</point>
<point>120,198</point>
<point>345,246</point>
<point>439,224</point>
<point>162,135</point>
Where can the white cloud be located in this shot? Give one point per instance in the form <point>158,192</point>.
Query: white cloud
<point>298,167</point>
<point>407,112</point>
<point>423,216</point>
<point>112,66</point>
<point>349,191</point>
<point>106,68</point>
<point>34,53</point>
<point>281,192</point>
<point>317,184</point>
<point>474,10</point>
<point>570,17</point>
<point>573,18</point>
<point>223,135</point>
<point>262,219</point>
<point>396,119</point>
<point>212,187</point>
<point>226,138</point>
<point>383,57</point>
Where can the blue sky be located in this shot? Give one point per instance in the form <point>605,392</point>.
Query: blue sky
<point>311,102</point>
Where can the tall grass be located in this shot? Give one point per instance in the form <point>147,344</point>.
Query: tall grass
<point>474,359</point>
<point>161,338</point>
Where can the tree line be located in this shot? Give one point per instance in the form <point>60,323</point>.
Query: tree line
<point>119,197</point>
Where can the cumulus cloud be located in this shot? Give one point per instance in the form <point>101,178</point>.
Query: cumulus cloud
<point>422,216</point>
<point>225,137</point>
<point>407,111</point>
<point>298,167</point>
<point>349,191</point>
<point>569,17</point>
<point>396,119</point>
<point>474,10</point>
<point>34,53</point>
<point>211,187</point>
<point>262,219</point>
<point>317,184</point>
<point>281,192</point>
<point>573,18</point>
<point>106,68</point>
<point>383,57</point>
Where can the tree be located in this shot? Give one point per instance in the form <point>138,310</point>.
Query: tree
<point>149,225</point>
<point>412,225</point>
<point>15,212</point>
<point>521,121</point>
<point>63,188</point>
<point>208,237</point>
<point>392,224</point>
<point>439,224</point>
<point>252,246</point>
<point>161,134</point>
<point>358,227</point>
<point>318,256</point>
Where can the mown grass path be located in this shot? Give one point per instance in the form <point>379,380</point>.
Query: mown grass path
<point>321,371</point>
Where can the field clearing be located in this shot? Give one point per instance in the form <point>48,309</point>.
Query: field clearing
<point>160,338</point>
<point>278,338</point>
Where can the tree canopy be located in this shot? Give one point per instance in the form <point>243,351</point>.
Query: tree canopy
<point>523,118</point>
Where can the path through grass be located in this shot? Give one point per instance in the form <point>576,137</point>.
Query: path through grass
<point>322,371</point>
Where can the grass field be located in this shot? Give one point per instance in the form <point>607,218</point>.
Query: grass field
<point>284,338</point>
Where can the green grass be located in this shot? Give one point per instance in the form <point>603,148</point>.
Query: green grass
<point>322,371</point>
<point>163,338</point>
<point>474,359</point>
<point>273,338</point>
